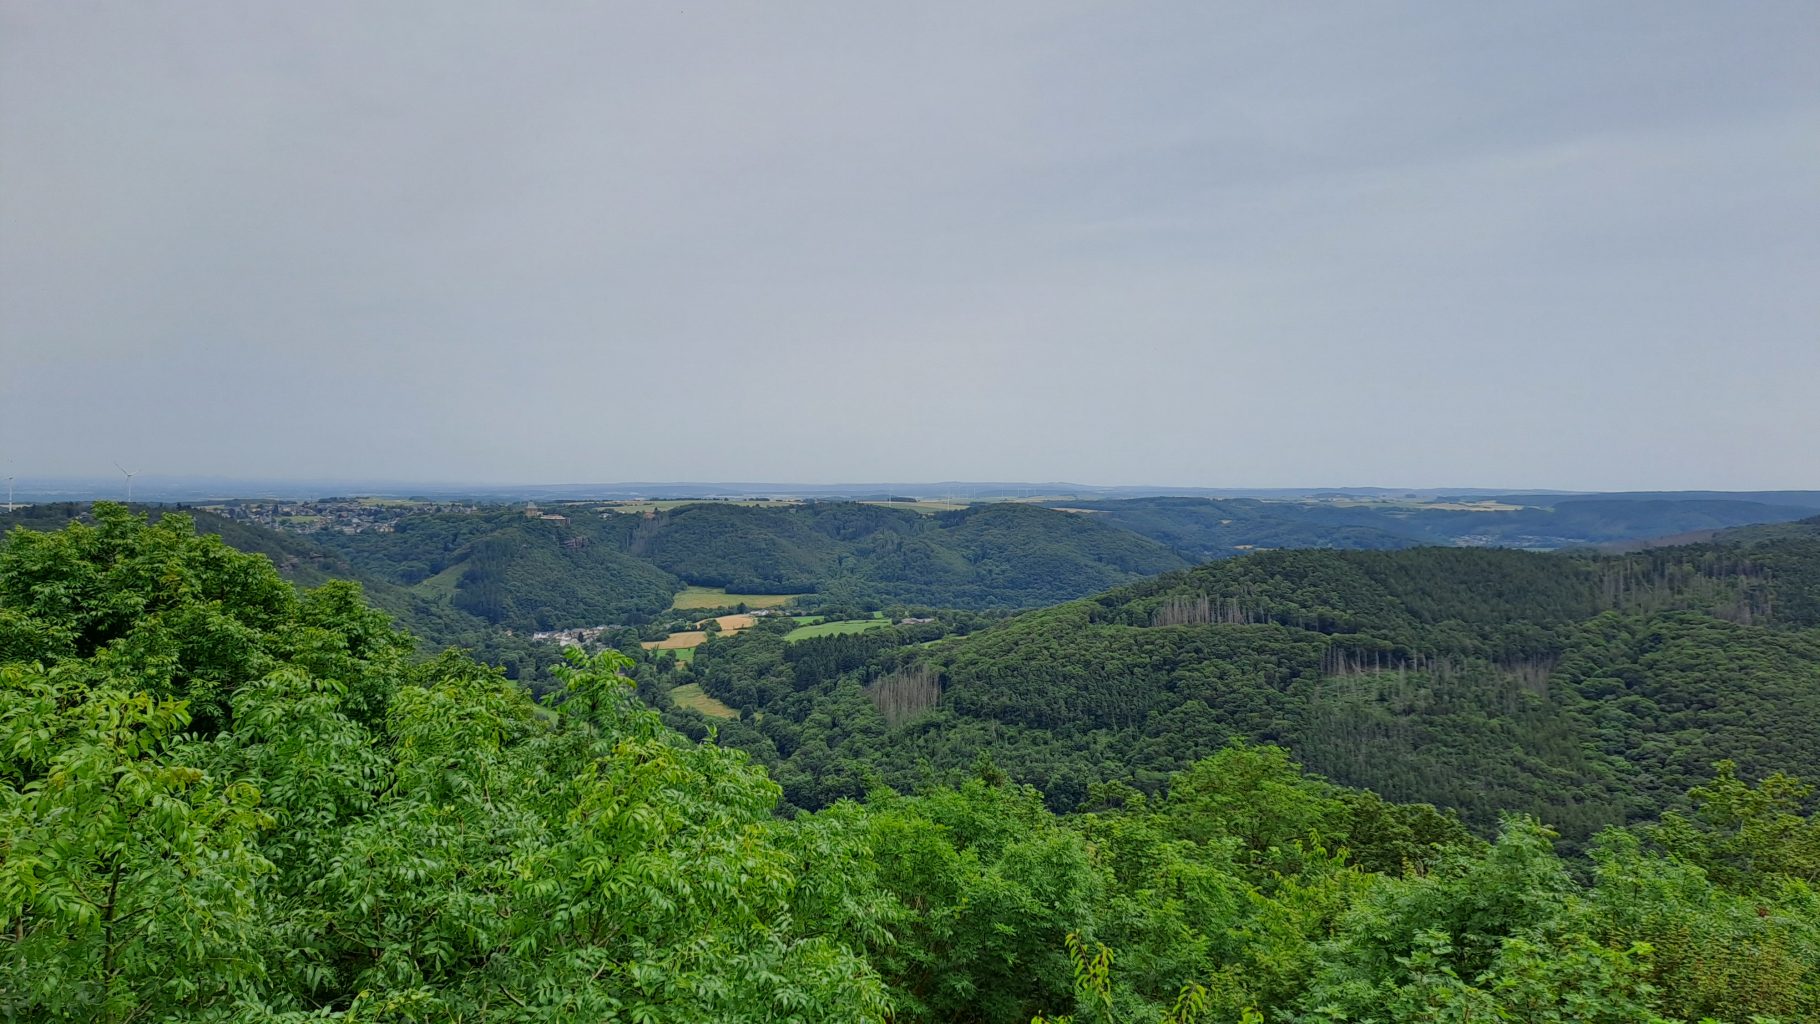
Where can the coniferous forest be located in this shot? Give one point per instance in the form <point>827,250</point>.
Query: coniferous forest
<point>1298,787</point>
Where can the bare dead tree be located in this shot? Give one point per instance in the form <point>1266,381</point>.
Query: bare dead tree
<point>905,694</point>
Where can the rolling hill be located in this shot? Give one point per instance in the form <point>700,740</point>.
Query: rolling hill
<point>1588,690</point>
<point>1201,529</point>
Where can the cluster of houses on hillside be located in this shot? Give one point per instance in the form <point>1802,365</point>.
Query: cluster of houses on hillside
<point>342,515</point>
<point>579,637</point>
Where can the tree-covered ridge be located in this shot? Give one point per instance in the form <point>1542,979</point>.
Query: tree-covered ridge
<point>221,800</point>
<point>1586,690</point>
<point>485,580</point>
<point>616,567</point>
<point>467,577</point>
<point>978,557</point>
<point>1208,528</point>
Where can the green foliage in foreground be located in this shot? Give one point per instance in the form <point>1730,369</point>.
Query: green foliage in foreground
<point>341,834</point>
<point>220,801</point>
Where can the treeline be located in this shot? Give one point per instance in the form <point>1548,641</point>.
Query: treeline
<point>221,800</point>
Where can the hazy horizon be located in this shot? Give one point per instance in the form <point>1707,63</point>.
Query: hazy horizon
<point>164,489</point>
<point>1232,246</point>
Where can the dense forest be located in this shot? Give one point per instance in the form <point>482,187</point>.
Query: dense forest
<point>1203,528</point>
<point>623,568</point>
<point>225,799</point>
<point>1586,690</point>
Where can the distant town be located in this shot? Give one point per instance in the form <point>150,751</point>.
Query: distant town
<point>337,515</point>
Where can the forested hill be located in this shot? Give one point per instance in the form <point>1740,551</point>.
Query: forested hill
<point>445,573</point>
<point>981,556</point>
<point>614,567</point>
<point>465,577</point>
<point>1585,689</point>
<point>1207,528</point>
<point>224,800</point>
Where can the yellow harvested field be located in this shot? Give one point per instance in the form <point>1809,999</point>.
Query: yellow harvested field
<point>715,597</point>
<point>729,625</point>
<point>630,507</point>
<point>677,641</point>
<point>925,507</point>
<point>1473,506</point>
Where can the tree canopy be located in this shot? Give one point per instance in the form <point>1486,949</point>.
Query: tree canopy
<point>223,800</point>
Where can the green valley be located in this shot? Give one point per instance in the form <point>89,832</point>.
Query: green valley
<point>226,799</point>
<point>1586,690</point>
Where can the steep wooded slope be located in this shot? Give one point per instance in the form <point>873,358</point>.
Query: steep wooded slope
<point>1587,690</point>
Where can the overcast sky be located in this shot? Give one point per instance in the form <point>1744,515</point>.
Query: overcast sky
<point>1565,245</point>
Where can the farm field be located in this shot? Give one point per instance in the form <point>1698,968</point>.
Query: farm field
<point>677,641</point>
<point>716,597</point>
<point>690,695</point>
<point>687,640</point>
<point>641,507</point>
<point>834,628</point>
<point>925,507</point>
<point>683,655</point>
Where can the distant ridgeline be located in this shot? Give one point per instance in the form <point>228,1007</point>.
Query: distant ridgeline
<point>502,567</point>
<point>1585,689</point>
<point>1202,529</point>
<point>448,574</point>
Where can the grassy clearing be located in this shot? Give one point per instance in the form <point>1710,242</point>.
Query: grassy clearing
<point>684,655</point>
<point>716,597</point>
<point>833,628</point>
<point>927,508</point>
<point>690,695</point>
<point>443,583</point>
<point>1474,506</point>
<point>731,623</point>
<point>641,507</point>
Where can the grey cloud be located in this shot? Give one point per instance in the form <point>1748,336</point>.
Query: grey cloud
<point>1548,244</point>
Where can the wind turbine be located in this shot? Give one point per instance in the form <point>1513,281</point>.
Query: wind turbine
<point>130,474</point>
